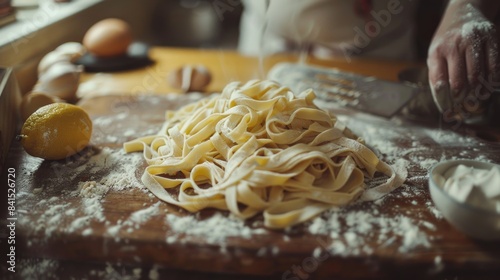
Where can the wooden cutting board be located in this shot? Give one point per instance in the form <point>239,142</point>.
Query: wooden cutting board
<point>400,235</point>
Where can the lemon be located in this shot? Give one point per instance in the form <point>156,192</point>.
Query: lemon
<point>56,131</point>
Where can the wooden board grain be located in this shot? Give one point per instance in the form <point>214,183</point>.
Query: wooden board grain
<point>380,251</point>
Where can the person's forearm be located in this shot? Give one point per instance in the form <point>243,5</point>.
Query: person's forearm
<point>489,8</point>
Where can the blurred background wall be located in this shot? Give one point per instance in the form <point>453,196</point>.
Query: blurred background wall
<point>197,23</point>
<point>174,23</point>
<point>215,23</point>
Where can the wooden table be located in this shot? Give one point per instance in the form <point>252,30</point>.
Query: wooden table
<point>225,66</point>
<point>399,237</point>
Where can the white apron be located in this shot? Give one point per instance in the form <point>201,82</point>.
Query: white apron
<point>330,28</point>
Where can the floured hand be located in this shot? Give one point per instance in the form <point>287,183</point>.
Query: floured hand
<point>462,56</point>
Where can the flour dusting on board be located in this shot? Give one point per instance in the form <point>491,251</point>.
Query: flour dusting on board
<point>104,170</point>
<point>357,230</point>
<point>52,269</point>
<point>215,230</point>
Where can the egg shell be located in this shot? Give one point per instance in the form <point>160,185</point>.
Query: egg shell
<point>108,37</point>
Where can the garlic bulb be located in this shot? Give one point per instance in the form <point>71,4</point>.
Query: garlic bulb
<point>190,78</point>
<point>35,100</point>
<point>60,80</point>
<point>67,52</point>
<point>50,59</point>
<point>74,49</point>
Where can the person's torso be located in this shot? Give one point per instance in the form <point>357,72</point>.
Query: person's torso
<point>355,26</point>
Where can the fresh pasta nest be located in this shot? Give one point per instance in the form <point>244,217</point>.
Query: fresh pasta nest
<point>258,148</point>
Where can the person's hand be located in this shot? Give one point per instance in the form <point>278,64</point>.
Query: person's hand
<point>463,56</point>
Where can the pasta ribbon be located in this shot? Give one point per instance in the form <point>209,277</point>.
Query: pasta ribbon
<point>257,148</point>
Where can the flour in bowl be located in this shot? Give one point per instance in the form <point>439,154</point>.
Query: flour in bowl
<point>478,187</point>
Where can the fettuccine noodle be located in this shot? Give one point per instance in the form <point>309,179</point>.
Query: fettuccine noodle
<point>258,148</point>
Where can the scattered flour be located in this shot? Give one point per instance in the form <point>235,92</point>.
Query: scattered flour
<point>111,167</point>
<point>92,210</point>
<point>427,163</point>
<point>447,138</point>
<point>106,121</point>
<point>53,269</point>
<point>34,268</point>
<point>91,189</point>
<point>107,170</point>
<point>143,215</point>
<point>432,208</point>
<point>120,165</point>
<point>215,230</point>
<point>391,143</point>
<point>350,232</point>
<point>353,232</point>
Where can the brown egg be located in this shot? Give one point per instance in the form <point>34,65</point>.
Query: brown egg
<point>108,37</point>
<point>190,78</point>
<point>35,100</point>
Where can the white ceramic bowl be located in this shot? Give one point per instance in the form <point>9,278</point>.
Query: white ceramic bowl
<point>470,219</point>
